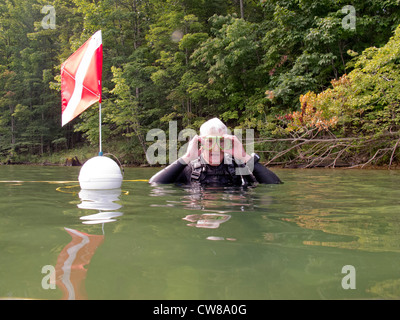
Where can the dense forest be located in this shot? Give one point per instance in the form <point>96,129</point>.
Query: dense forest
<point>318,81</point>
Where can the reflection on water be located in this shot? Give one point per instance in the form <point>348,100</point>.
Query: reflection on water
<point>74,258</point>
<point>216,199</point>
<point>207,220</point>
<point>320,220</point>
<point>72,263</point>
<point>215,204</point>
<point>286,241</point>
<point>100,200</point>
<point>358,211</point>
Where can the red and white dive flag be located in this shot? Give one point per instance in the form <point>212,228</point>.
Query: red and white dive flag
<point>81,78</point>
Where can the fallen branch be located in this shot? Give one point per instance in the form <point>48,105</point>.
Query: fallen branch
<point>352,152</point>
<point>370,160</point>
<point>394,150</point>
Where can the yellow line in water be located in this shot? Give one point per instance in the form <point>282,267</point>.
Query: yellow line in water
<point>18,181</point>
<point>61,189</point>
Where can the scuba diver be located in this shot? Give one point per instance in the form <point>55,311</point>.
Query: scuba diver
<point>220,161</point>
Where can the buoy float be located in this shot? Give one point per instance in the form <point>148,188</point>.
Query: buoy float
<point>100,173</point>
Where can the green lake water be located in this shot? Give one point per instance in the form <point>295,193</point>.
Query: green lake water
<point>286,241</point>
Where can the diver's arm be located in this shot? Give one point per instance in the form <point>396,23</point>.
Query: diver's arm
<point>170,174</point>
<point>261,173</point>
<point>264,175</point>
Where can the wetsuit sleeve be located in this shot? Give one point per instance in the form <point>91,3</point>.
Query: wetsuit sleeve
<point>262,174</point>
<point>170,174</point>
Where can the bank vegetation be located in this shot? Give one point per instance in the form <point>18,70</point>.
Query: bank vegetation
<point>318,91</point>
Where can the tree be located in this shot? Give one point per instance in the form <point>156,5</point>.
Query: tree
<point>231,58</point>
<point>310,34</point>
<point>189,60</point>
<point>361,111</point>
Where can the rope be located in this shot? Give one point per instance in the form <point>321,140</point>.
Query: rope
<point>61,182</point>
<point>18,181</point>
<point>119,163</point>
<point>60,189</point>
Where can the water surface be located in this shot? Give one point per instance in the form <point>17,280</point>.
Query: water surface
<point>286,241</point>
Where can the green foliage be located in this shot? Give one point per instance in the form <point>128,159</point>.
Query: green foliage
<point>311,37</point>
<point>376,87</point>
<point>362,107</point>
<point>190,60</point>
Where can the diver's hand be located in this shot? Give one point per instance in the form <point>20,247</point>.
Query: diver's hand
<point>237,150</point>
<point>192,151</point>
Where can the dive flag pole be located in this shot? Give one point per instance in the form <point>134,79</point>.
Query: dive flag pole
<point>100,144</point>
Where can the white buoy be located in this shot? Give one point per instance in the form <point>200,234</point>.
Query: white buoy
<point>100,173</point>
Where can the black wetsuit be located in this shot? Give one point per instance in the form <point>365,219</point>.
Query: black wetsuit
<point>228,173</point>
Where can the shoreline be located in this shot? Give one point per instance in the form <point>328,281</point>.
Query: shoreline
<point>395,166</point>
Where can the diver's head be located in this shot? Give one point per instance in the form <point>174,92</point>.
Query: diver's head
<point>211,133</point>
<point>213,127</point>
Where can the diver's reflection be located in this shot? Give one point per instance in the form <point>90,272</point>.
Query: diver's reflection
<point>218,202</point>
<point>73,260</point>
<point>219,199</point>
<point>207,220</point>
